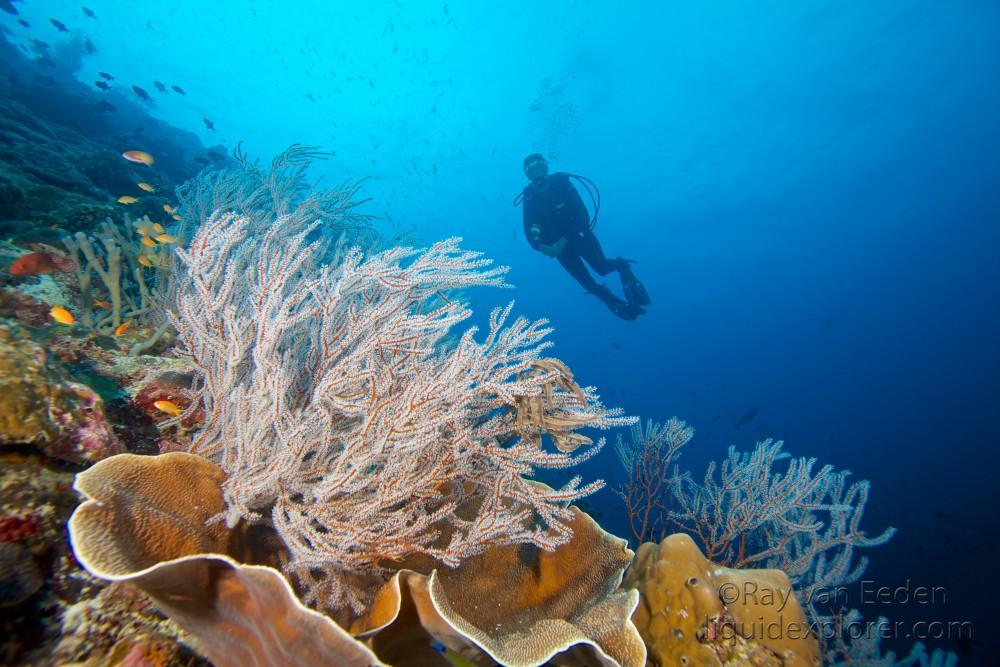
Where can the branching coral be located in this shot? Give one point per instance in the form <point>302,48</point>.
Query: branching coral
<point>801,521</point>
<point>132,269</point>
<point>261,195</point>
<point>760,512</point>
<point>647,457</point>
<point>341,412</point>
<point>761,509</point>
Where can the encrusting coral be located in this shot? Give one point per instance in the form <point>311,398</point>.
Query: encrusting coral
<point>695,612</point>
<point>41,406</point>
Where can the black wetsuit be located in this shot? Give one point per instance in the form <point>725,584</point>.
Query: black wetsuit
<point>554,207</point>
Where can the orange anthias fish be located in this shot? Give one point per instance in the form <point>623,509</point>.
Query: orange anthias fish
<point>61,315</point>
<point>146,186</point>
<point>142,157</point>
<point>167,238</point>
<point>127,199</point>
<point>39,263</point>
<point>102,304</point>
<point>167,208</point>
<point>168,407</point>
<point>145,261</point>
<point>146,241</point>
<point>122,327</point>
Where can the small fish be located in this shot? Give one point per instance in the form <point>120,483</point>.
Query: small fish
<point>747,417</point>
<point>175,216</point>
<point>122,327</point>
<point>454,658</point>
<point>168,407</point>
<point>103,85</point>
<point>142,157</point>
<point>22,21</point>
<point>167,238</point>
<point>40,263</point>
<point>102,304</point>
<point>61,315</point>
<point>127,199</point>
<point>160,86</point>
<point>145,261</point>
<point>105,75</point>
<point>141,94</point>
<point>148,242</point>
<point>178,90</point>
<point>89,12</point>
<point>158,228</point>
<point>146,186</point>
<point>60,26</point>
<point>209,124</point>
<point>104,106</point>
<point>89,46</point>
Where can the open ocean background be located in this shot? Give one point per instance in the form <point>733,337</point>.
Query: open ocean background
<point>811,190</point>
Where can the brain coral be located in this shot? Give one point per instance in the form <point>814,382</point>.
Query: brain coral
<point>694,612</point>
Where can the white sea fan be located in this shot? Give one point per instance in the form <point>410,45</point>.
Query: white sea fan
<point>344,416</point>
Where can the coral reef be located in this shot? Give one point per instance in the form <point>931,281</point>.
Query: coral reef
<point>52,611</point>
<point>20,574</point>
<point>347,451</point>
<point>137,527</point>
<point>338,412</point>
<point>111,622</point>
<point>132,271</point>
<point>647,457</point>
<point>53,175</point>
<point>61,164</point>
<point>695,612</point>
<point>65,419</point>
<point>759,513</point>
<point>562,606</point>
<point>282,190</point>
<point>35,502</point>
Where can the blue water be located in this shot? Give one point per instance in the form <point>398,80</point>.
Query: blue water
<point>811,191</point>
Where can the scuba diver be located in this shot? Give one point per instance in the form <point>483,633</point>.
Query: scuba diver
<point>556,223</point>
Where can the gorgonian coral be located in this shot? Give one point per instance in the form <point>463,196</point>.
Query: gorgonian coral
<point>346,414</point>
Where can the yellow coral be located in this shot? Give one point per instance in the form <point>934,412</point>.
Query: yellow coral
<point>40,406</point>
<point>694,612</point>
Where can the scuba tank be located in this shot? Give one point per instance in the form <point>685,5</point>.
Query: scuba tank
<point>588,185</point>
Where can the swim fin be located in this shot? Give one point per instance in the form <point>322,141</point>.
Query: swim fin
<point>623,309</point>
<point>626,311</point>
<point>635,292</point>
